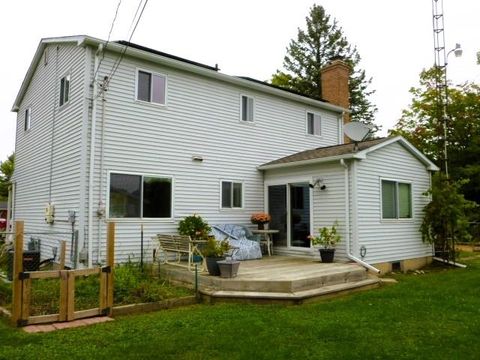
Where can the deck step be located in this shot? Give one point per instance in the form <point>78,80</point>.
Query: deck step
<point>294,296</point>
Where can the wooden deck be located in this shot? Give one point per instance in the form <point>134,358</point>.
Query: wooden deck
<point>278,279</point>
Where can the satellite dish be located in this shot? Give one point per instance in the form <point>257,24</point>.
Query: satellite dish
<point>356,131</point>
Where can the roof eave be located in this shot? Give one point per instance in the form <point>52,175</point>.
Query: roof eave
<point>358,156</point>
<point>33,65</point>
<point>145,55</point>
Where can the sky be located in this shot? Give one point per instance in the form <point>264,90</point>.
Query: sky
<point>248,38</point>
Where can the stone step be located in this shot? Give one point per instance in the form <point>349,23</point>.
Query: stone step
<point>292,297</point>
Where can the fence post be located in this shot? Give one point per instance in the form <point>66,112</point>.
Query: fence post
<point>17,269</point>
<point>63,250</point>
<point>110,264</point>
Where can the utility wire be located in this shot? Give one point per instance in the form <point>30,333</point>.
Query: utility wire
<point>117,63</point>
<point>108,39</point>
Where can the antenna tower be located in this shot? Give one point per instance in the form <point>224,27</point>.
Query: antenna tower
<point>441,66</point>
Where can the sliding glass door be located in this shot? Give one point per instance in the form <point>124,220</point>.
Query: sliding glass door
<point>299,215</point>
<point>289,207</point>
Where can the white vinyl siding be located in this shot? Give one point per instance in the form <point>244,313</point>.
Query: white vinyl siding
<point>314,124</point>
<point>398,238</point>
<point>28,119</point>
<point>247,108</point>
<point>64,90</point>
<point>151,87</point>
<point>232,194</point>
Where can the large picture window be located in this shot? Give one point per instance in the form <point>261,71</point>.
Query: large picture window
<point>138,196</point>
<point>231,194</point>
<point>151,87</point>
<point>396,200</point>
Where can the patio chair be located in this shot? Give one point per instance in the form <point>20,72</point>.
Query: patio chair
<point>239,236</point>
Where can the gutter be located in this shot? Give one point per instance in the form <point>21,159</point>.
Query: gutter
<point>358,155</point>
<point>92,157</point>
<point>347,223</point>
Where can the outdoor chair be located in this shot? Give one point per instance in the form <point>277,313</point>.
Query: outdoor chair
<point>240,237</point>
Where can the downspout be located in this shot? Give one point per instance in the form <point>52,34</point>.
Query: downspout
<point>347,223</point>
<point>92,157</point>
<point>101,205</point>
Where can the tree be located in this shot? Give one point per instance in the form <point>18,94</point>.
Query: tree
<point>320,42</point>
<point>6,173</point>
<point>445,220</point>
<point>422,125</point>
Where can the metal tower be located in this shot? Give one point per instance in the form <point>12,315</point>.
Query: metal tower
<point>441,66</point>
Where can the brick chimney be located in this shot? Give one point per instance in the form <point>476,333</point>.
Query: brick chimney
<point>334,77</point>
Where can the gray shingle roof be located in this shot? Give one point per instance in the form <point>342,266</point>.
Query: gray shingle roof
<point>326,152</point>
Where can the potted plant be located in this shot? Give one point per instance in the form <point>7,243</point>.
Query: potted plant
<point>215,251</point>
<point>327,238</point>
<point>195,227</point>
<point>260,219</point>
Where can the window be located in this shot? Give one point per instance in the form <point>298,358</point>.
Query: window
<point>64,89</point>
<point>137,196</point>
<point>396,200</point>
<point>28,119</point>
<point>231,194</point>
<point>247,108</point>
<point>314,125</point>
<point>151,87</point>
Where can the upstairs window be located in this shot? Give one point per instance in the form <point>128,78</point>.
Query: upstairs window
<point>64,89</point>
<point>137,196</point>
<point>247,108</point>
<point>314,124</point>
<point>151,87</point>
<point>396,200</point>
<point>28,119</point>
<point>231,194</point>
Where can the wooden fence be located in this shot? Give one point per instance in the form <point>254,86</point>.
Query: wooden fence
<point>22,284</point>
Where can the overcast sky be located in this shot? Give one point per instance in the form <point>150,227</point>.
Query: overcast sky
<point>249,38</point>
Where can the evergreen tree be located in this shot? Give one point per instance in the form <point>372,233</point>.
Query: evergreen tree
<point>6,173</point>
<point>323,40</point>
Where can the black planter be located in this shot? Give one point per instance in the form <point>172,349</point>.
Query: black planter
<point>212,265</point>
<point>327,255</point>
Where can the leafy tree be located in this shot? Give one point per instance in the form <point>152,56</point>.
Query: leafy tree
<point>6,173</point>
<point>323,40</point>
<point>422,125</point>
<point>446,221</point>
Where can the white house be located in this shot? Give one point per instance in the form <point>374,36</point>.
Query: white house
<point>121,132</point>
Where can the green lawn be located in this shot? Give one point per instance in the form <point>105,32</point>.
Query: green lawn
<point>431,316</point>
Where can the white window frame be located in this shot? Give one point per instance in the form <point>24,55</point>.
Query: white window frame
<point>136,219</point>
<point>231,194</point>
<point>27,121</point>
<point>152,73</point>
<point>412,207</point>
<point>320,119</point>
<point>68,77</point>
<point>252,121</point>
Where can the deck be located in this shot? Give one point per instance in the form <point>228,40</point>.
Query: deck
<point>278,279</point>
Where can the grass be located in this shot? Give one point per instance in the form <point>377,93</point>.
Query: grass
<point>429,316</point>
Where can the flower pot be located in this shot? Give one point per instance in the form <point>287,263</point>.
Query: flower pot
<point>327,255</point>
<point>228,268</point>
<point>261,226</point>
<point>212,265</point>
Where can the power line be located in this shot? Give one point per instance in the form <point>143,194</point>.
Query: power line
<point>119,60</point>
<point>108,39</point>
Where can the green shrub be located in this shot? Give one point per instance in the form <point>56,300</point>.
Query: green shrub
<point>194,226</point>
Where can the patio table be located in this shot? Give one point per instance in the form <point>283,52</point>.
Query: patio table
<point>267,238</point>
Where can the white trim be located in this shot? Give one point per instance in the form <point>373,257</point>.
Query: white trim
<point>152,73</point>
<point>136,219</point>
<point>397,202</point>
<point>221,208</point>
<point>354,194</point>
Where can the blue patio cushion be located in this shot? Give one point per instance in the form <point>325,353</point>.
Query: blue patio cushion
<point>240,237</point>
